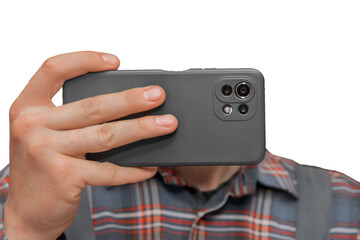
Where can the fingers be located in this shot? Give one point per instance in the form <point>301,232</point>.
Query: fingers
<point>52,74</point>
<point>99,174</point>
<point>104,108</point>
<point>106,136</point>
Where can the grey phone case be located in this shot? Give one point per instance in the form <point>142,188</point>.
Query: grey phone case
<point>205,134</point>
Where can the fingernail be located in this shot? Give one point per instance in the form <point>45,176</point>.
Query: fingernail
<point>111,59</point>
<point>165,120</point>
<point>152,94</point>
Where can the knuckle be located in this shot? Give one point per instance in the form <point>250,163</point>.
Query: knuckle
<point>142,124</point>
<point>14,111</point>
<point>128,99</point>
<point>91,107</point>
<point>49,66</point>
<point>106,134</point>
<point>23,125</point>
<point>110,168</point>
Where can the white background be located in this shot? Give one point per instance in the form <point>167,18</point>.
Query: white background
<point>308,51</point>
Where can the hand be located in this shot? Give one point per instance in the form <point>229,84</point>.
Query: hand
<point>48,168</point>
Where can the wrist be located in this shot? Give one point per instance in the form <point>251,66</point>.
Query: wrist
<point>17,229</point>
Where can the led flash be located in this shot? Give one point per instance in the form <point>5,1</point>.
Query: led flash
<point>227,109</point>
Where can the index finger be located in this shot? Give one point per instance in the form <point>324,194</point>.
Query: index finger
<point>52,74</point>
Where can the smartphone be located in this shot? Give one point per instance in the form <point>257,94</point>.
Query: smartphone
<point>220,113</point>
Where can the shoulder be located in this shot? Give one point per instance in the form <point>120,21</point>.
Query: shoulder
<point>343,184</point>
<point>345,196</point>
<point>345,190</point>
<point>340,182</point>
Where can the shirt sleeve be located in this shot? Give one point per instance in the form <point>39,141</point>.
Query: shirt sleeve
<point>4,185</point>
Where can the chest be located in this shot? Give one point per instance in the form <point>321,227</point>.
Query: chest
<point>150,210</point>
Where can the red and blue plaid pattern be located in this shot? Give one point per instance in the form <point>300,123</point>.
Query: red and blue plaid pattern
<point>258,203</point>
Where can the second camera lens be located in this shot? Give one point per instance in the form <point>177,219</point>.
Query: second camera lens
<point>243,108</point>
<point>242,90</point>
<point>226,90</point>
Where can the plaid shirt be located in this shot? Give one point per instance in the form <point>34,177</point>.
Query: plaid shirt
<point>258,203</point>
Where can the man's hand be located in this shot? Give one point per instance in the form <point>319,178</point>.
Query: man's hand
<point>48,168</point>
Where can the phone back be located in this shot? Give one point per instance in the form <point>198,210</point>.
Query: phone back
<point>211,128</point>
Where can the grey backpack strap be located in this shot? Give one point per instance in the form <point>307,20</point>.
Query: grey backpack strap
<point>81,228</point>
<point>313,209</point>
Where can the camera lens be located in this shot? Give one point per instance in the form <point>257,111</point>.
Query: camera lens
<point>242,90</point>
<point>226,90</point>
<point>243,108</point>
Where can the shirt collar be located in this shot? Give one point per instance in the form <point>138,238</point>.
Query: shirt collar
<point>273,172</point>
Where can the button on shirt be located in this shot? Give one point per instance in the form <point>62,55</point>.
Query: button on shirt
<point>258,202</point>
